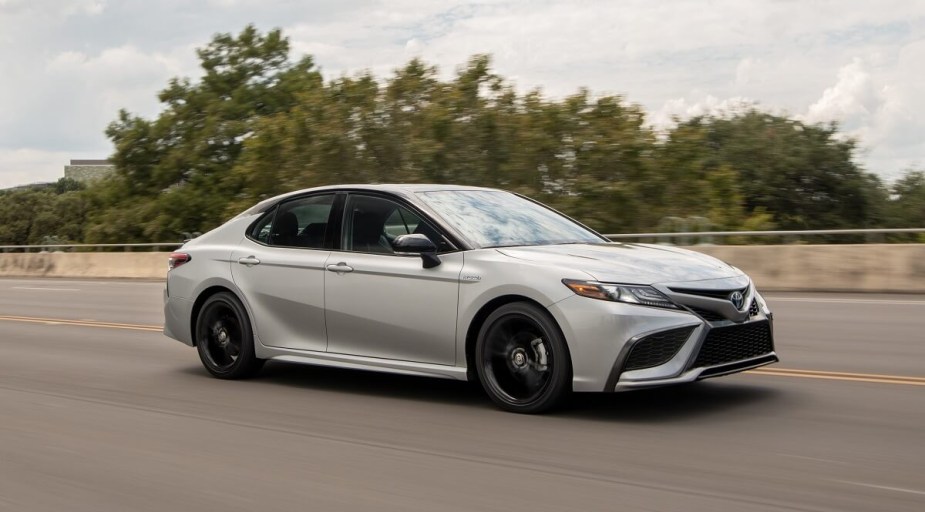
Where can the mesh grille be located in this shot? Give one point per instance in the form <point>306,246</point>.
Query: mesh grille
<point>735,343</point>
<point>753,309</point>
<point>656,349</point>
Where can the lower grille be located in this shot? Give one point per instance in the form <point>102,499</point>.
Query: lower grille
<point>656,349</point>
<point>735,343</point>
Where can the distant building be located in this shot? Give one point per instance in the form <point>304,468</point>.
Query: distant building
<point>88,170</point>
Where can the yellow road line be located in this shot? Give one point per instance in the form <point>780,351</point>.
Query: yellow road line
<point>851,377</point>
<point>777,372</point>
<point>82,323</point>
<point>841,374</point>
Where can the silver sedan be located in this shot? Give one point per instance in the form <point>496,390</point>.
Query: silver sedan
<point>461,283</point>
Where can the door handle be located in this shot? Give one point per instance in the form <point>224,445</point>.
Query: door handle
<point>340,268</point>
<point>250,261</point>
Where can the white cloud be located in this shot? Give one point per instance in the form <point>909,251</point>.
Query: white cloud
<point>877,103</point>
<point>686,108</point>
<point>86,7</point>
<point>51,9</point>
<point>854,97</point>
<point>413,47</point>
<point>746,71</point>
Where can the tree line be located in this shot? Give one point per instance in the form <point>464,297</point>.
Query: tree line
<point>257,123</point>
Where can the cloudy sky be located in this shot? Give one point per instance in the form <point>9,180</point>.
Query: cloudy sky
<point>69,65</point>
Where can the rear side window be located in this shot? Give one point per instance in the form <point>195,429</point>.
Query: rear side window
<point>261,230</point>
<point>300,222</point>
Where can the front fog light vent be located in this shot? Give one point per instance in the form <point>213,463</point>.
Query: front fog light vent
<point>657,349</point>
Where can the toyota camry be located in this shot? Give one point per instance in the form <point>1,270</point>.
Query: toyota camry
<point>463,283</point>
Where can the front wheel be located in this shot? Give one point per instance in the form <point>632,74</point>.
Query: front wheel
<point>522,359</point>
<point>224,338</point>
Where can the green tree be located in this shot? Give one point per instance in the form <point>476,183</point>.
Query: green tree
<point>174,172</point>
<point>804,175</point>
<point>257,123</point>
<point>906,209</point>
<point>30,216</point>
<point>758,169</point>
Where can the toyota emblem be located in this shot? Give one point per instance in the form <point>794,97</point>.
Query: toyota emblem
<point>737,299</point>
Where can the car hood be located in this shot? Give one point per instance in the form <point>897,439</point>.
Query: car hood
<point>628,263</point>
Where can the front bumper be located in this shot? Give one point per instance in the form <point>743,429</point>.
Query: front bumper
<point>606,338</point>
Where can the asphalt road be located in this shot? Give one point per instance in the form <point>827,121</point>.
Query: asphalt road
<point>99,412</point>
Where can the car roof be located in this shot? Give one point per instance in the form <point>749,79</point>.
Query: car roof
<point>402,189</point>
<point>398,187</point>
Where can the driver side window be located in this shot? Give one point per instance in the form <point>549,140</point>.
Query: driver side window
<point>371,224</point>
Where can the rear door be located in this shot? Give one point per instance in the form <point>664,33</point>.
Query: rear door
<point>280,269</point>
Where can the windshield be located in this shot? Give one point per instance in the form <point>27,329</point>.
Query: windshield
<point>493,218</point>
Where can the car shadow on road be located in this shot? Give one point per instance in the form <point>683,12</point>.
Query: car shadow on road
<point>668,404</point>
<point>685,401</point>
<point>367,383</point>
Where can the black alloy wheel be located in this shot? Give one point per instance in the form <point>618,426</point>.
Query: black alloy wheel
<point>224,338</point>
<point>522,359</point>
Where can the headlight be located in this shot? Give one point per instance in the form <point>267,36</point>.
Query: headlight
<point>628,293</point>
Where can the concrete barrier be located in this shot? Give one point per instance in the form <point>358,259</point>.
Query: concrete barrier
<point>844,268</point>
<point>884,268</point>
<point>130,265</point>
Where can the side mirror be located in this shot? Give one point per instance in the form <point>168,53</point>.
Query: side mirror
<point>417,243</point>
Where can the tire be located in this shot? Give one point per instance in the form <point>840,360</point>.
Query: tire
<point>224,338</point>
<point>522,359</point>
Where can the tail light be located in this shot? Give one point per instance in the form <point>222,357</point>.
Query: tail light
<point>176,259</point>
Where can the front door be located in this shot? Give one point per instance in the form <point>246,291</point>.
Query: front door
<point>381,304</point>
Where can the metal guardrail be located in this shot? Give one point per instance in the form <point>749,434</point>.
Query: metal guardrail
<point>68,247</point>
<point>874,235</point>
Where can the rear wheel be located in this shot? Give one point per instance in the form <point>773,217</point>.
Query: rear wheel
<point>224,338</point>
<point>522,359</point>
